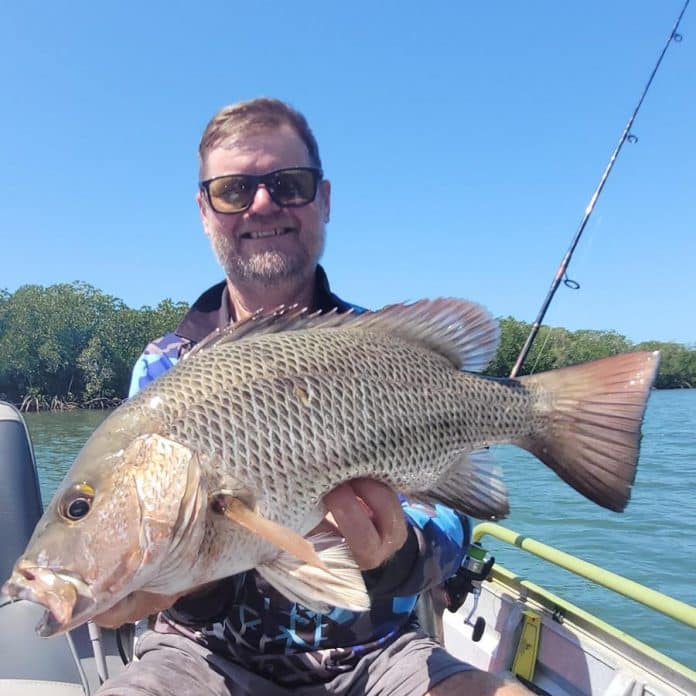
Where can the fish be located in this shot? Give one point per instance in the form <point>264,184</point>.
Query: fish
<point>221,464</point>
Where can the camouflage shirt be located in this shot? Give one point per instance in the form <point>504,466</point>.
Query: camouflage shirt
<point>245,619</point>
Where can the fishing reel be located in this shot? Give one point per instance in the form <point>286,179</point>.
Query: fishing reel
<point>467,580</point>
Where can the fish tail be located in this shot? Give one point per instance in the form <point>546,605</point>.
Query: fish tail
<point>591,416</point>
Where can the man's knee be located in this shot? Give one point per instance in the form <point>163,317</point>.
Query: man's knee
<point>479,683</point>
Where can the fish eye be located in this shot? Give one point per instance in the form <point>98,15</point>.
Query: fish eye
<point>78,508</point>
<point>77,502</point>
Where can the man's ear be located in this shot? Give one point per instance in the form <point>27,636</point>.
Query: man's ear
<point>203,210</point>
<point>325,199</point>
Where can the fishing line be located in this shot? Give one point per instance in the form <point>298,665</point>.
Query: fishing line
<point>542,349</point>
<point>561,274</point>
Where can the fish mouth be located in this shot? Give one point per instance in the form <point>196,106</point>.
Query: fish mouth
<point>67,598</point>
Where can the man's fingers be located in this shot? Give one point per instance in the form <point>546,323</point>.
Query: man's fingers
<point>355,525</point>
<point>387,513</point>
<point>369,515</point>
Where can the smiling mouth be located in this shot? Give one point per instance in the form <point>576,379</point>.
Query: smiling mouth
<point>265,234</point>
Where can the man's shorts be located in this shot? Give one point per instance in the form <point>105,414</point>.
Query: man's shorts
<point>172,664</point>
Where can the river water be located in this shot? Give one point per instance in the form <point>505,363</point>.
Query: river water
<point>653,542</point>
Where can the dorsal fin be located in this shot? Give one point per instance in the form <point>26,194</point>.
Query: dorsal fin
<point>283,318</point>
<point>462,331</point>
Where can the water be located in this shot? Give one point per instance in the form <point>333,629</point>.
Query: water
<point>57,438</point>
<point>653,542</point>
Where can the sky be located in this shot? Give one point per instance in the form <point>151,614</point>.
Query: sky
<point>463,141</point>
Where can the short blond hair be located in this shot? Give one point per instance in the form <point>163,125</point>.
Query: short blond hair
<point>256,116</point>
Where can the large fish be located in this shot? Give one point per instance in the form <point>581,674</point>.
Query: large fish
<point>221,464</point>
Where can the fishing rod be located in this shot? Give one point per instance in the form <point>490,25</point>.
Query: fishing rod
<point>561,272</point>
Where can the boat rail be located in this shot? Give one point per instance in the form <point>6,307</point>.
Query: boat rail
<point>662,603</point>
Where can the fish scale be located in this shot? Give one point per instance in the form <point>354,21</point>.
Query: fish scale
<point>227,456</point>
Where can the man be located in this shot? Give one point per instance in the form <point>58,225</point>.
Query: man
<point>264,205</point>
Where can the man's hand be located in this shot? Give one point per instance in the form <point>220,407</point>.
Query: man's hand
<point>369,516</point>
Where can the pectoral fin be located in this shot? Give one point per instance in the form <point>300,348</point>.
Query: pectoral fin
<point>338,582</point>
<point>286,539</point>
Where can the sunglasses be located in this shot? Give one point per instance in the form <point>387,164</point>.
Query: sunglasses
<point>288,188</point>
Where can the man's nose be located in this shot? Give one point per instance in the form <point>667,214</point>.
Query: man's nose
<point>262,202</point>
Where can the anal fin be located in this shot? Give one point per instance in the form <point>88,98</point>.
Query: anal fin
<point>472,485</point>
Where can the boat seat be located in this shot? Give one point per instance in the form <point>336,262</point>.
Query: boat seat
<point>20,495</point>
<point>33,687</point>
<point>25,658</point>
<point>50,658</point>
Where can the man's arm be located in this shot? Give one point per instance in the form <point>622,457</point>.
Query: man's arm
<point>158,357</point>
<point>403,549</point>
<point>434,549</point>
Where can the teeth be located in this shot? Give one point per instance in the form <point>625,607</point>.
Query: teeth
<point>262,234</point>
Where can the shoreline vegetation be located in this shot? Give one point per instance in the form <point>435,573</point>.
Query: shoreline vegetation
<point>70,345</point>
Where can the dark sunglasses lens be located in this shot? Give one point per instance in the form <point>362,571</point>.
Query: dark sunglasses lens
<point>293,187</point>
<point>231,194</point>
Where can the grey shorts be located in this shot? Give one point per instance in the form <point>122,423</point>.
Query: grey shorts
<point>173,664</point>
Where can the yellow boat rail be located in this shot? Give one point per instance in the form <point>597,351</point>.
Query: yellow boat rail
<point>680,611</point>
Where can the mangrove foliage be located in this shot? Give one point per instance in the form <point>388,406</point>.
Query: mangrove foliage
<point>71,345</point>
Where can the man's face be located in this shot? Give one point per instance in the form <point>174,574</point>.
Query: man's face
<point>266,245</point>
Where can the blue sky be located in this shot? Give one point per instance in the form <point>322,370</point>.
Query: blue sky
<point>463,141</point>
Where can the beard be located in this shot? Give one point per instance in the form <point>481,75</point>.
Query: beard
<point>268,269</point>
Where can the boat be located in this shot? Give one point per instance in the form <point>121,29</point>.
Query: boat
<point>508,623</point>
<point>496,620</point>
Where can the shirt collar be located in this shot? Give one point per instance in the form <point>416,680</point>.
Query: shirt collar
<point>212,309</point>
